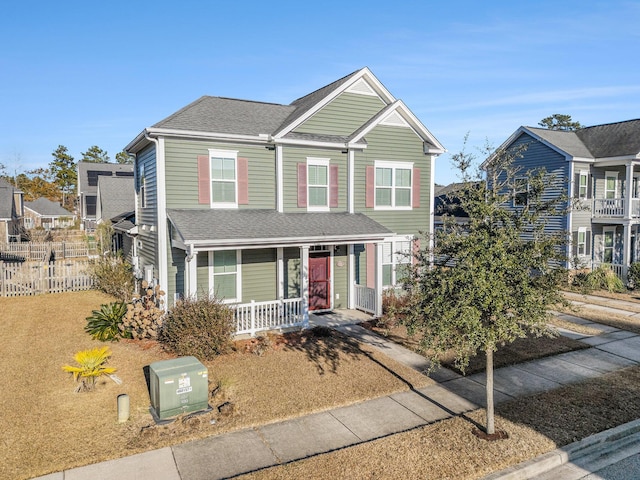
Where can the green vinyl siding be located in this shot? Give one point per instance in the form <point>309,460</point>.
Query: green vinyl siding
<point>360,261</point>
<point>149,214</point>
<point>259,275</point>
<point>340,277</point>
<point>389,144</point>
<point>202,275</point>
<point>295,155</point>
<point>291,257</point>
<point>176,274</point>
<point>343,115</point>
<point>182,172</point>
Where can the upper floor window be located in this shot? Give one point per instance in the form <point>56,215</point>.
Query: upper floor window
<point>611,185</point>
<point>318,184</point>
<point>583,182</point>
<point>142,193</point>
<point>224,178</point>
<point>520,192</point>
<point>393,185</point>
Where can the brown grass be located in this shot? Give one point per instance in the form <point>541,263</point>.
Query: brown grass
<point>448,450</point>
<point>522,350</point>
<point>45,427</point>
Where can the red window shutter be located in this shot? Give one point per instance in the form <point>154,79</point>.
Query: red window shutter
<point>204,181</point>
<point>370,188</point>
<point>302,185</point>
<point>333,186</point>
<point>370,250</point>
<point>243,181</point>
<point>416,188</point>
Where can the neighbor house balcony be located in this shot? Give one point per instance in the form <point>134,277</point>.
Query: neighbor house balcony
<point>615,208</point>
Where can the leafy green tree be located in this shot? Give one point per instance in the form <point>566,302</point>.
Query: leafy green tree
<point>491,280</point>
<point>124,158</point>
<point>63,168</point>
<point>558,121</point>
<point>95,155</point>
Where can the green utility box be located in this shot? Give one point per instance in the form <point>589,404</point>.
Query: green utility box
<point>178,386</point>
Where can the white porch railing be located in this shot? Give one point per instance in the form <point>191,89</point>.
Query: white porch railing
<point>635,207</point>
<point>608,207</point>
<point>365,299</point>
<point>619,270</point>
<point>260,316</point>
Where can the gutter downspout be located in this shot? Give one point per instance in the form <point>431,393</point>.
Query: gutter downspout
<point>161,207</point>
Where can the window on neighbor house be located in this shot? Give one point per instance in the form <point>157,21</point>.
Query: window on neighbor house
<point>90,203</point>
<point>396,257</point>
<point>225,275</point>
<point>520,192</point>
<point>583,180</point>
<point>28,222</point>
<point>393,185</point>
<point>142,194</point>
<point>610,185</point>
<point>582,241</point>
<point>608,241</point>
<point>224,179</point>
<point>318,184</point>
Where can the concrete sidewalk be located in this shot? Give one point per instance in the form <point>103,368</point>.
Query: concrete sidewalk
<point>244,451</point>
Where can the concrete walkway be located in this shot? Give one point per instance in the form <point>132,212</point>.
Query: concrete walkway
<point>244,451</point>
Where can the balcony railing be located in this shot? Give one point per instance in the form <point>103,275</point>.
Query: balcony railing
<point>608,207</point>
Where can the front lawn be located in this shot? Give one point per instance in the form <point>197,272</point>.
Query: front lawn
<point>46,427</point>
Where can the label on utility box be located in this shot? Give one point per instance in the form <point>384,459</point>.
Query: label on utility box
<point>184,385</point>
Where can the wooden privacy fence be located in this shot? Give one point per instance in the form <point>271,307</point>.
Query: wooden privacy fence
<point>42,251</point>
<point>33,278</point>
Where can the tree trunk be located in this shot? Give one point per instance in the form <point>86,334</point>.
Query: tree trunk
<point>489,371</point>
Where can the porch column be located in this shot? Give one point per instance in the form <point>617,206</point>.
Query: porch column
<point>304,283</point>
<point>280,266</point>
<point>378,277</point>
<point>351,304</point>
<point>628,195</point>
<point>626,245</point>
<point>191,264</point>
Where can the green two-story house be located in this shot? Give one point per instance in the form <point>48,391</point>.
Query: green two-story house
<point>284,209</point>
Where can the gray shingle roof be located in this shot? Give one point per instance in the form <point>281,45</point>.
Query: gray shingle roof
<point>116,195</point>
<point>227,115</point>
<point>206,226</point>
<point>44,206</point>
<point>85,167</point>
<point>600,141</point>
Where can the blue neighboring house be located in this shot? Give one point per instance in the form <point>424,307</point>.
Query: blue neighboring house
<point>599,168</point>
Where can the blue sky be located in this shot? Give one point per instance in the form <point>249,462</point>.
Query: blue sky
<point>97,73</point>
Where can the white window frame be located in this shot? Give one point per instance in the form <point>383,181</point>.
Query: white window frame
<point>615,185</point>
<point>238,273</point>
<point>28,222</point>
<point>517,191</point>
<point>582,243</point>
<point>224,154</point>
<point>322,162</point>
<point>393,166</point>
<point>395,256</point>
<point>611,230</point>
<point>583,174</point>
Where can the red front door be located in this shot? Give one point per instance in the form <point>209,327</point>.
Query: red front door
<point>319,281</point>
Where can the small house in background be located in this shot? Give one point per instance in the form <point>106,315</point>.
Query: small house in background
<point>43,213</point>
<point>88,175</point>
<point>11,212</point>
<point>125,232</point>
<point>114,196</point>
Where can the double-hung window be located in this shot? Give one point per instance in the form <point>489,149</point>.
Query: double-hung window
<point>318,184</point>
<point>224,178</point>
<point>396,257</point>
<point>611,185</point>
<point>225,276</point>
<point>142,182</point>
<point>582,241</point>
<point>583,185</point>
<point>520,192</point>
<point>393,185</point>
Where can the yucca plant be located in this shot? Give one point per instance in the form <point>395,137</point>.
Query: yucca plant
<point>91,365</point>
<point>104,324</point>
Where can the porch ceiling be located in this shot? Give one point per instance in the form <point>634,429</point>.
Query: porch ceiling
<point>207,228</point>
